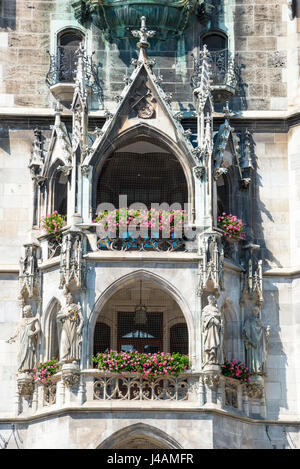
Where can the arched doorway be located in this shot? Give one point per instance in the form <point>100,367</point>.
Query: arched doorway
<point>141,317</point>
<point>139,436</point>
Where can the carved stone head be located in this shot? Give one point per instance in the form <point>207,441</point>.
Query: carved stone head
<point>27,311</point>
<point>211,300</point>
<point>69,299</point>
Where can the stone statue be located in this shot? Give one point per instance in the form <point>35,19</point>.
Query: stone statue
<point>256,340</point>
<point>212,327</point>
<point>71,331</point>
<point>27,335</point>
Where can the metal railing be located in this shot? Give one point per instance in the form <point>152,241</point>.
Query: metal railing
<point>222,68</point>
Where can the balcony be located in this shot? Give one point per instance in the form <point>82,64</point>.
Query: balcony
<point>93,389</point>
<point>222,72</point>
<point>223,75</point>
<point>62,73</point>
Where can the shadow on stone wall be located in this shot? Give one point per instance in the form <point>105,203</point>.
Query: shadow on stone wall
<point>276,392</point>
<point>8,14</point>
<point>4,140</point>
<point>258,209</point>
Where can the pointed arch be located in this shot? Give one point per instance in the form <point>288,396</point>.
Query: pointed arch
<point>143,132</point>
<point>231,330</point>
<point>51,331</point>
<point>57,188</point>
<point>155,437</point>
<point>162,284</point>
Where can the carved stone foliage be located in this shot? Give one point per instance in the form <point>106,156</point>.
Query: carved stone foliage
<point>25,385</point>
<point>218,172</point>
<point>131,387</point>
<point>71,379</point>
<point>231,395</point>
<point>211,264</point>
<point>211,380</point>
<point>29,276</point>
<point>49,393</point>
<point>199,172</point>
<point>71,262</point>
<point>255,390</point>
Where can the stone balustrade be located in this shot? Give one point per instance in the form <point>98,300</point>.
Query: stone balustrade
<point>95,388</point>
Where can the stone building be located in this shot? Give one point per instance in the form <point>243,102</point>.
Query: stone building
<point>191,102</point>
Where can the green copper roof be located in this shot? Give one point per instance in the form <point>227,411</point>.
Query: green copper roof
<point>117,18</point>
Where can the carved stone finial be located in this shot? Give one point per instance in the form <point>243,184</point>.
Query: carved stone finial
<point>143,33</point>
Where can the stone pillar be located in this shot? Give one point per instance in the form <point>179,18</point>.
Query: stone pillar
<point>71,379</point>
<point>89,387</point>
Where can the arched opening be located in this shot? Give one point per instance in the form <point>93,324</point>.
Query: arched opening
<point>139,436</point>
<point>145,173</point>
<point>223,195</point>
<point>68,43</point>
<point>231,336</point>
<point>141,317</point>
<point>58,190</point>
<point>215,41</point>
<point>52,332</point>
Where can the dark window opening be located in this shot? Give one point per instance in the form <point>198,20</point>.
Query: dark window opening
<point>215,42</point>
<point>68,44</point>
<point>217,45</point>
<point>223,196</point>
<point>60,194</point>
<point>179,339</point>
<point>101,338</point>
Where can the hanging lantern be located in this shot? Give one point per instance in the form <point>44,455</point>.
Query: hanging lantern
<point>140,310</point>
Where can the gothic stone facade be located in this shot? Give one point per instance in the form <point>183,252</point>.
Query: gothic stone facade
<point>61,129</point>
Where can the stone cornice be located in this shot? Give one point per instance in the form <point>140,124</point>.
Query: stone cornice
<point>150,408</point>
<point>281,121</point>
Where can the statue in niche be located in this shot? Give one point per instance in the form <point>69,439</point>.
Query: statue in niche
<point>212,330</point>
<point>256,340</point>
<point>27,335</point>
<point>71,331</point>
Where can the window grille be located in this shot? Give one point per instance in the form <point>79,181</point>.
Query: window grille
<point>68,43</point>
<point>147,178</point>
<point>144,338</point>
<point>179,339</point>
<point>101,338</point>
